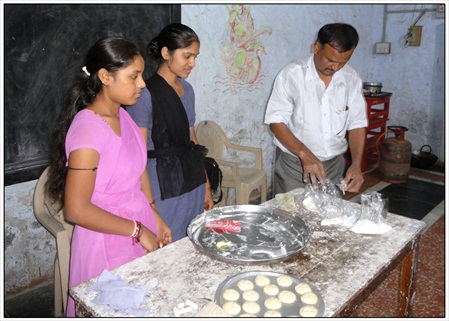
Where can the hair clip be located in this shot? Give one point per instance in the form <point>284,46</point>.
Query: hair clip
<point>85,70</point>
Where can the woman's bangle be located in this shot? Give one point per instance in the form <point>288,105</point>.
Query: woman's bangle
<point>153,202</point>
<point>135,229</point>
<point>137,238</point>
<point>138,230</point>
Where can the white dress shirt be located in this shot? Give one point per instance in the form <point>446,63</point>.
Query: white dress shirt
<point>318,116</point>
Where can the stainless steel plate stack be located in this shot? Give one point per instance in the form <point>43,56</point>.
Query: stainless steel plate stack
<point>265,236</point>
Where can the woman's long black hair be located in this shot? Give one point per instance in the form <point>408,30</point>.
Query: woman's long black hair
<point>111,54</point>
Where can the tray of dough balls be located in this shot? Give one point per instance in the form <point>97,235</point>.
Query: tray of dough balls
<point>269,294</point>
<point>248,234</point>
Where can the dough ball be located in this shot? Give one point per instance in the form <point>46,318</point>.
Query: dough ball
<point>271,289</point>
<point>284,280</point>
<point>231,295</point>
<point>308,311</point>
<point>231,307</point>
<point>223,245</point>
<point>247,315</point>
<point>262,280</point>
<point>245,285</point>
<point>251,307</point>
<point>287,297</point>
<point>273,303</point>
<point>250,295</point>
<point>302,288</point>
<point>309,298</point>
<point>272,314</point>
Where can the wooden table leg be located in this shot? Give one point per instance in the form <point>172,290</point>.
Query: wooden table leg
<point>408,282</point>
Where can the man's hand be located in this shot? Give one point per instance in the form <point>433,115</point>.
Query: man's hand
<point>314,167</point>
<point>353,179</point>
<point>310,163</point>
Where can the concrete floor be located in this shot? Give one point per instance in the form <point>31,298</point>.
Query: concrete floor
<point>35,303</point>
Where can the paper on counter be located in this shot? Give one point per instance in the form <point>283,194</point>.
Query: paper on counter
<point>120,295</point>
<point>288,202</point>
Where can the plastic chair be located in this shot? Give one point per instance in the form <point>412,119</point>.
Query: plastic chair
<point>243,179</point>
<point>48,214</point>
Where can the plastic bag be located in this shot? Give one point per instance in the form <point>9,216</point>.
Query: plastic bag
<point>371,220</point>
<point>314,199</point>
<point>327,202</point>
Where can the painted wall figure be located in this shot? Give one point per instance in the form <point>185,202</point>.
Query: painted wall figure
<point>241,54</point>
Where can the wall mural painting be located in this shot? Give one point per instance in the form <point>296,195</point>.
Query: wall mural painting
<point>241,51</point>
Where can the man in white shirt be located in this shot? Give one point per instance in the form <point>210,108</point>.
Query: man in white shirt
<point>315,103</point>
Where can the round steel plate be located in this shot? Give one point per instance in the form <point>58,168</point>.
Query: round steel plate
<point>287,310</point>
<point>267,235</point>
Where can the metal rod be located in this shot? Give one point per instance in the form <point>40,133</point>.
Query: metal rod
<point>386,12</point>
<point>410,11</point>
<point>384,26</point>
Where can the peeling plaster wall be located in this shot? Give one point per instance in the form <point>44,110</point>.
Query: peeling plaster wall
<point>415,75</point>
<point>29,250</point>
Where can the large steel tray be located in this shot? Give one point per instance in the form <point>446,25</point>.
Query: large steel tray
<point>267,235</point>
<point>287,310</point>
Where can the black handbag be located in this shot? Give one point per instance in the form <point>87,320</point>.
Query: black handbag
<point>215,178</point>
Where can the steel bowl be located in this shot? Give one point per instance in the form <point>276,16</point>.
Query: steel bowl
<point>372,87</point>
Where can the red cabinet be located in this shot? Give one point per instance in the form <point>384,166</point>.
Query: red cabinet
<point>378,107</point>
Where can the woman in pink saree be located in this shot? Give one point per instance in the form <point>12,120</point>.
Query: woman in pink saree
<point>97,169</point>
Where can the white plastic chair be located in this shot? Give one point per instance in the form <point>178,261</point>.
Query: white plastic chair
<point>48,214</point>
<point>243,179</point>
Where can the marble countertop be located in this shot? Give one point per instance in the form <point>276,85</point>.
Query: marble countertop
<point>338,261</point>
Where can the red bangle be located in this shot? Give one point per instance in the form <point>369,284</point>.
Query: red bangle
<point>138,236</point>
<point>153,202</point>
<point>138,230</point>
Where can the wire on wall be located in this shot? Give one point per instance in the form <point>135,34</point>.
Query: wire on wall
<point>409,34</point>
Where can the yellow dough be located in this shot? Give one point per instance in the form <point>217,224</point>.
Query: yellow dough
<point>247,315</point>
<point>223,245</point>
<point>309,298</point>
<point>262,280</point>
<point>272,314</point>
<point>284,280</point>
<point>302,288</point>
<point>231,295</point>
<point>251,307</point>
<point>308,311</point>
<point>287,297</point>
<point>273,303</point>
<point>250,295</point>
<point>233,308</point>
<point>245,285</point>
<point>271,289</point>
